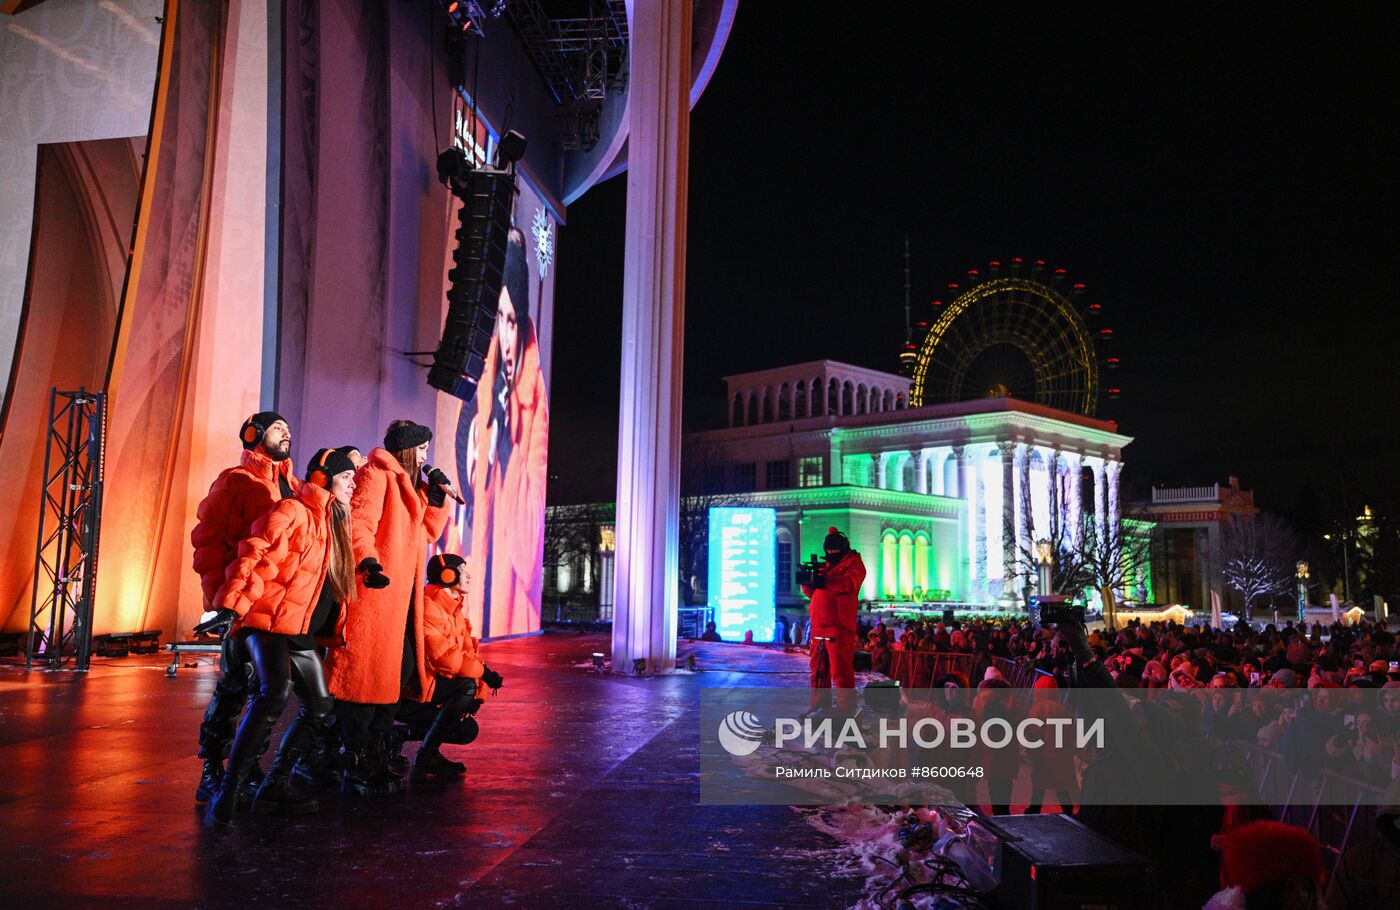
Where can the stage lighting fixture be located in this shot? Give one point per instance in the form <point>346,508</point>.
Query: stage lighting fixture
<point>474,282</point>
<point>597,660</point>
<point>511,148</point>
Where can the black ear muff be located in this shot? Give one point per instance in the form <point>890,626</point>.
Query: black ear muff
<point>449,576</point>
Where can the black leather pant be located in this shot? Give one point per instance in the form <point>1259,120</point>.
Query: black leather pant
<point>280,670</point>
<point>221,717</point>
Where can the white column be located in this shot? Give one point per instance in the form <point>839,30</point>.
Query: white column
<point>653,326</point>
<point>920,457</point>
<point>1074,472</point>
<point>1052,481</point>
<point>967,487</point>
<point>1008,517</point>
<point>1114,468</point>
<point>833,460</point>
<point>1097,466</point>
<point>881,463</point>
<point>940,462</point>
<point>1024,545</point>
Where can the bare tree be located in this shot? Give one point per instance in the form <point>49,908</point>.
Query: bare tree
<point>694,540</point>
<point>1108,561</point>
<point>1258,556</point>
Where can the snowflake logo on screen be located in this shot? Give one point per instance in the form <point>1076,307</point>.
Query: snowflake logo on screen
<point>544,240</point>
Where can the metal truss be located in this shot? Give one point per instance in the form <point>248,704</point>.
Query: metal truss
<point>70,512</point>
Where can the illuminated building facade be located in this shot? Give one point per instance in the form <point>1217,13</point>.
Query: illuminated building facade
<point>944,502</point>
<point>1189,538</point>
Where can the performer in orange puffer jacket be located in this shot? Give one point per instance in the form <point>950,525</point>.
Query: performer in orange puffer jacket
<point>834,607</point>
<point>397,514</point>
<point>294,572</point>
<point>238,497</point>
<point>460,679</point>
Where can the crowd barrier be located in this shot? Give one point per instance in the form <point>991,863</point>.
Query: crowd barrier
<point>1331,806</point>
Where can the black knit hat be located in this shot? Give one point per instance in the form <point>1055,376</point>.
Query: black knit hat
<point>445,569</point>
<point>406,436</point>
<point>346,450</point>
<point>325,464</point>
<point>835,540</point>
<point>251,433</point>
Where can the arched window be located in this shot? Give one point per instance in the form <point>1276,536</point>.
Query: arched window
<point>785,568</point>
<point>833,398</point>
<point>784,402</point>
<point>848,398</point>
<point>565,578</point>
<point>799,400</point>
<point>922,569</point>
<point>889,565</point>
<point>751,409</point>
<point>768,405</point>
<point>906,564</point>
<point>862,400</point>
<point>736,411</point>
<point>907,480</point>
<point>889,400</point>
<point>817,388</point>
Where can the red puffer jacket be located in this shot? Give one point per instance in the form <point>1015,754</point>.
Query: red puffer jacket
<point>237,498</point>
<point>448,644</point>
<point>834,604</point>
<point>274,584</point>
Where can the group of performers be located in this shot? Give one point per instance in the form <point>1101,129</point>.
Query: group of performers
<point>321,582</point>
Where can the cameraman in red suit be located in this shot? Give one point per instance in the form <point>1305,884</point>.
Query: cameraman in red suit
<point>833,589</point>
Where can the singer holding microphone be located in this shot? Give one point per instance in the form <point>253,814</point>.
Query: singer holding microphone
<point>397,513</point>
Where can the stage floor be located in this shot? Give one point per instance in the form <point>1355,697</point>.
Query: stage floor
<point>582,791</point>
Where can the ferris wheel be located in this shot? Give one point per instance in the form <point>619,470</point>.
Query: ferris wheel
<point>1015,332</point>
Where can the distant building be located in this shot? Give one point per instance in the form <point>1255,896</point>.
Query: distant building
<point>944,502</point>
<point>1189,539</point>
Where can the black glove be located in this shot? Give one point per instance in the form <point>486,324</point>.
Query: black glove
<point>474,706</point>
<point>437,496</point>
<point>373,573</point>
<point>492,679</point>
<point>221,617</point>
<point>439,478</point>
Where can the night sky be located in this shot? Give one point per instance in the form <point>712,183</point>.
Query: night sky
<point>1225,187</point>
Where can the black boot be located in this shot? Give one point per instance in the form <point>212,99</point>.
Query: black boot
<point>276,795</point>
<point>209,780</point>
<point>319,766</point>
<point>363,776</point>
<point>429,759</point>
<point>248,746</point>
<point>389,745</point>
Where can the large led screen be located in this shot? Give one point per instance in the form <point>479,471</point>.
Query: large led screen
<point>743,571</point>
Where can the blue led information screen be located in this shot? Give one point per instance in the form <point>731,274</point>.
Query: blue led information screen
<point>743,571</point>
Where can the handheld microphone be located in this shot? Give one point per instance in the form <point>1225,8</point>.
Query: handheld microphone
<point>445,487</point>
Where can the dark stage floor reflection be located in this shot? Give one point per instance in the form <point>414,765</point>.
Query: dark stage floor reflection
<point>582,791</point>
